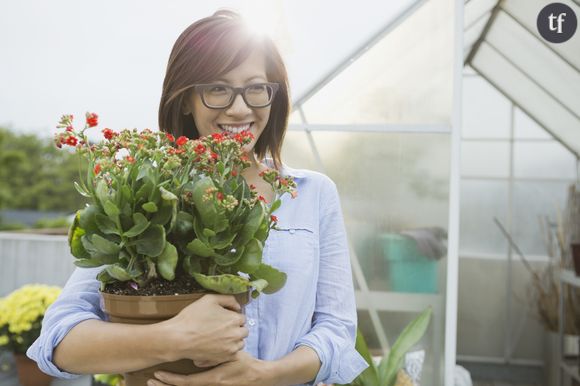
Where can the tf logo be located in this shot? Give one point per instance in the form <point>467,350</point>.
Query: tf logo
<point>557,22</point>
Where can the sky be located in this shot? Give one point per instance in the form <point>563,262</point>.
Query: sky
<point>70,56</point>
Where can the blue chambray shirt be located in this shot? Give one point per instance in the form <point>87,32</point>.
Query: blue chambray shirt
<point>316,307</point>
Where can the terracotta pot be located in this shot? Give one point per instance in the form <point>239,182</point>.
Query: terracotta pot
<point>153,309</point>
<point>28,372</point>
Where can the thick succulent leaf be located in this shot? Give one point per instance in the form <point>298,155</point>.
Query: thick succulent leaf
<point>184,223</point>
<point>82,191</point>
<point>105,246</point>
<point>106,225</point>
<point>118,272</point>
<point>191,265</point>
<point>275,278</point>
<point>258,286</point>
<point>210,216</point>
<point>144,191</point>
<point>167,195</point>
<point>163,215</point>
<point>222,240</point>
<point>149,207</point>
<point>208,232</point>
<point>412,333</point>
<point>251,258</point>
<point>197,247</point>
<point>167,261</point>
<point>111,209</point>
<point>223,284</point>
<point>230,258</point>
<point>75,233</point>
<point>88,263</point>
<point>87,219</point>
<point>252,224</point>
<point>140,225</point>
<point>152,241</point>
<point>275,205</point>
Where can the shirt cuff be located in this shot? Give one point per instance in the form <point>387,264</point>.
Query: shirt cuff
<point>42,349</point>
<point>341,367</point>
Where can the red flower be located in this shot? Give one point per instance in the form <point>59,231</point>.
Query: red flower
<point>220,196</point>
<point>274,218</point>
<point>69,128</point>
<point>92,119</point>
<point>181,140</point>
<point>109,134</point>
<point>217,137</point>
<point>252,186</point>
<point>130,159</point>
<point>214,156</point>
<point>284,181</point>
<point>97,169</point>
<point>234,173</point>
<point>71,141</point>
<point>261,198</point>
<point>199,149</point>
<point>244,157</point>
<point>170,137</point>
<point>261,174</point>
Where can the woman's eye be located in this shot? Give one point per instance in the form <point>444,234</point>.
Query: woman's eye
<point>217,89</point>
<point>257,88</point>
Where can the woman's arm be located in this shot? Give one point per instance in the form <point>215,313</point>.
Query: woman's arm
<point>75,339</point>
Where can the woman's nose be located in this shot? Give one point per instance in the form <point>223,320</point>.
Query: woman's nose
<point>238,107</point>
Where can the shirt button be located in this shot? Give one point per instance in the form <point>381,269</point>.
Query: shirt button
<point>251,322</point>
<point>292,231</point>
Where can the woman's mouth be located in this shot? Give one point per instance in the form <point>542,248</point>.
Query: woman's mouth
<point>236,128</point>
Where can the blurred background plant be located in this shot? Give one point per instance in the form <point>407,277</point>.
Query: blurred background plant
<point>36,189</point>
<point>21,314</point>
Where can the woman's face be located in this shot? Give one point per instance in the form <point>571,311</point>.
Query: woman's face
<point>238,116</point>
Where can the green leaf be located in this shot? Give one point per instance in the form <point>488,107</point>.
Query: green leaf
<point>409,337</point>
<point>222,240</point>
<point>118,272</point>
<point>167,261</point>
<point>370,376</point>
<point>275,205</point>
<point>167,195</point>
<point>141,224</point>
<point>208,232</point>
<point>163,215</point>
<point>198,248</point>
<point>144,191</point>
<point>87,219</point>
<point>208,212</point>
<point>258,286</point>
<point>111,209</point>
<point>126,193</point>
<point>223,284</point>
<point>105,246</point>
<point>191,265</point>
<point>252,224</point>
<point>88,263</point>
<point>152,241</point>
<point>251,259</point>
<point>184,223</point>
<point>275,278</point>
<point>106,225</point>
<point>81,190</point>
<point>150,207</point>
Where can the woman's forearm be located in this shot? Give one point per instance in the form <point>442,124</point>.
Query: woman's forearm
<point>300,366</point>
<point>95,346</point>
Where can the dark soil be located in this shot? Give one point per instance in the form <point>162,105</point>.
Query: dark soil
<point>181,285</point>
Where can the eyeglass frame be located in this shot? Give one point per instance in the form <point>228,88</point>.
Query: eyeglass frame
<point>237,91</point>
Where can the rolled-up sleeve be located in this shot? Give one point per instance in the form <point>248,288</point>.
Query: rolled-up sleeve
<point>79,301</point>
<point>333,332</point>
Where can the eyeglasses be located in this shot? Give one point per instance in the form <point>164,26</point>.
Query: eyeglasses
<point>221,96</point>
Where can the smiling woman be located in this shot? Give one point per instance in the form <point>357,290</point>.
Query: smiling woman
<point>222,78</point>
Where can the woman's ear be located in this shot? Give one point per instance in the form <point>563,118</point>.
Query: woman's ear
<point>185,104</point>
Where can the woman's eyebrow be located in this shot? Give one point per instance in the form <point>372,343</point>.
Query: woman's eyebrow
<point>261,77</point>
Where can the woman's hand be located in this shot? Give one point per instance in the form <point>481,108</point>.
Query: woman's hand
<point>244,370</point>
<point>209,331</point>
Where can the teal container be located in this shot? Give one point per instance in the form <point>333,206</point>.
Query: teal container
<point>408,269</point>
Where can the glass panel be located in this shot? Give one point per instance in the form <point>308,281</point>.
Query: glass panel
<point>473,31</point>
<point>485,159</point>
<point>481,201</point>
<point>526,12</point>
<point>486,113</point>
<point>526,127</point>
<point>410,67</point>
<point>533,58</point>
<point>531,200</point>
<point>398,183</point>
<point>543,160</point>
<point>474,10</point>
<point>529,96</point>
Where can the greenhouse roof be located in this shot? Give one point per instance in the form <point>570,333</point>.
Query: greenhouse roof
<point>502,45</point>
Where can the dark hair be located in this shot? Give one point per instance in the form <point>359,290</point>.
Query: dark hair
<point>209,48</point>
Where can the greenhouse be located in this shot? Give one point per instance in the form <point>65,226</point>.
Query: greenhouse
<point>450,128</point>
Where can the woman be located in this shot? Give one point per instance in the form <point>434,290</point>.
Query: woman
<point>222,78</point>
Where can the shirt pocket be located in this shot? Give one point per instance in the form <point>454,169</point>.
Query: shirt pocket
<point>294,250</point>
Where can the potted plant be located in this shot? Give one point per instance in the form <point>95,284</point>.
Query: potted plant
<point>21,314</point>
<point>389,372</point>
<point>170,216</point>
